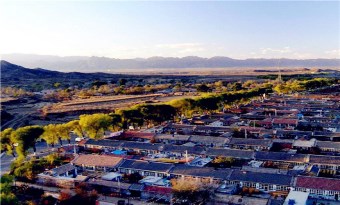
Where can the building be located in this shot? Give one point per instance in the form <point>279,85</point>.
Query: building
<point>92,162</point>
<point>145,168</point>
<point>296,198</point>
<point>253,144</point>
<point>261,181</point>
<point>318,187</point>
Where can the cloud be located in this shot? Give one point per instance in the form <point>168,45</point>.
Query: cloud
<point>333,53</point>
<point>271,50</point>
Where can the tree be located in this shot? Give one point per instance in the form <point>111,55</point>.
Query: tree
<point>7,197</point>
<point>202,88</point>
<point>131,116</point>
<point>63,131</point>
<point>77,128</point>
<point>51,135</point>
<point>7,141</point>
<point>191,191</point>
<point>222,161</point>
<point>122,81</point>
<point>26,138</point>
<point>95,125</point>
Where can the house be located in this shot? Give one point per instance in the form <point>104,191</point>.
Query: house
<point>145,168</point>
<point>304,144</point>
<point>203,174</point>
<point>261,181</point>
<point>318,187</point>
<point>66,170</point>
<point>157,192</point>
<point>138,136</point>
<point>114,188</point>
<point>172,138</point>
<point>253,144</point>
<point>208,140</point>
<point>210,130</point>
<point>63,176</point>
<point>282,160</point>
<point>234,153</point>
<point>181,151</point>
<point>105,145</point>
<point>92,162</point>
<point>328,147</point>
<point>141,148</point>
<point>266,123</point>
<point>296,198</point>
<point>325,162</point>
<point>284,123</point>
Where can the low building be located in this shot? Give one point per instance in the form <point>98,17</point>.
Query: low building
<point>91,162</point>
<point>328,147</point>
<point>172,139</point>
<point>282,160</point>
<point>253,144</point>
<point>261,181</point>
<point>296,198</point>
<point>325,162</point>
<point>234,153</point>
<point>141,148</point>
<point>203,174</point>
<point>318,187</point>
<point>145,168</point>
<point>181,151</point>
<point>208,140</point>
<point>105,145</point>
<point>284,123</point>
<point>304,144</point>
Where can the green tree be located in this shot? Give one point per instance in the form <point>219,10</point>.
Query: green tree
<point>7,197</point>
<point>202,88</point>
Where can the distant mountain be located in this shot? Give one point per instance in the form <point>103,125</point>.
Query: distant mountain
<point>38,79</point>
<point>103,64</point>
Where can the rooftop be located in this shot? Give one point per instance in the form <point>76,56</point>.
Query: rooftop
<point>318,183</point>
<point>97,160</point>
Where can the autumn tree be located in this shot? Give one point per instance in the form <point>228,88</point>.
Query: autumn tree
<point>95,125</point>
<point>191,191</point>
<point>26,138</point>
<point>50,134</point>
<point>77,128</point>
<point>7,141</point>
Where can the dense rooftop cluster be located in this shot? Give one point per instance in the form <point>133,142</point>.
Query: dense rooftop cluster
<point>265,149</point>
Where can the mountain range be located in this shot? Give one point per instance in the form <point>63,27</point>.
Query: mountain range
<point>114,65</point>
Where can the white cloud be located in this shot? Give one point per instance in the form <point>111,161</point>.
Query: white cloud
<point>271,50</point>
<point>333,53</point>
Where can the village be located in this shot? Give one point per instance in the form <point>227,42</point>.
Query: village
<point>280,149</point>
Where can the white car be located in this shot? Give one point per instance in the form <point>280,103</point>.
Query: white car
<point>78,139</point>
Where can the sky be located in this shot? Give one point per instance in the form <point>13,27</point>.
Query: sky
<point>236,29</point>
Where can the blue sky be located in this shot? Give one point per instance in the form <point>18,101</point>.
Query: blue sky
<point>246,29</point>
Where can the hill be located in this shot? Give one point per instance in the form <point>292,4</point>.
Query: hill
<point>104,64</point>
<point>15,75</point>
